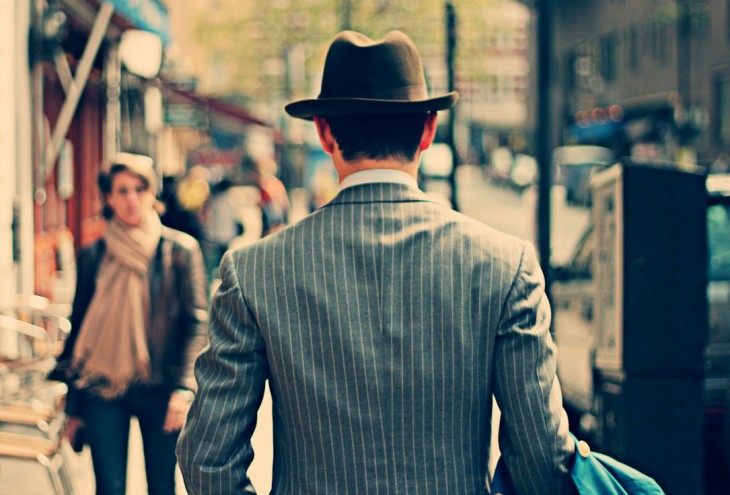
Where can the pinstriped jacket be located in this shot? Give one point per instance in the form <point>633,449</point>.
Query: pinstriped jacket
<point>385,323</point>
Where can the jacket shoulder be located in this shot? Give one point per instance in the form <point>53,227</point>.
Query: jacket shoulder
<point>180,239</point>
<point>489,236</point>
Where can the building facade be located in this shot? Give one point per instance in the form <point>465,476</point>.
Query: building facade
<point>78,94</point>
<point>648,78</point>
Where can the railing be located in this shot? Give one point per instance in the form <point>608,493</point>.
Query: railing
<point>32,332</point>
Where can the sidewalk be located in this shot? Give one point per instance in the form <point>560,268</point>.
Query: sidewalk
<point>30,478</point>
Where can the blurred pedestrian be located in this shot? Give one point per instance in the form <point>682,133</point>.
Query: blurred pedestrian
<point>384,322</point>
<point>324,186</point>
<point>138,321</point>
<point>223,222</point>
<point>274,199</point>
<point>194,189</point>
<point>174,215</point>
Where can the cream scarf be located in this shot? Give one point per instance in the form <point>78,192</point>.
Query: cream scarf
<point>111,350</point>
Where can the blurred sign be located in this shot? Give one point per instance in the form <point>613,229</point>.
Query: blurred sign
<point>150,15</point>
<point>210,157</point>
<point>183,115</point>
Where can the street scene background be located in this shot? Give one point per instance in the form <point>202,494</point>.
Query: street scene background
<point>597,130</point>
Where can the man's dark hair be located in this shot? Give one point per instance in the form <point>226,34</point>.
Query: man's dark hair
<point>377,136</point>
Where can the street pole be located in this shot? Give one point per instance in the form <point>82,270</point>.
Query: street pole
<point>346,13</point>
<point>9,148</point>
<point>683,108</point>
<point>451,40</point>
<point>684,28</point>
<point>543,135</point>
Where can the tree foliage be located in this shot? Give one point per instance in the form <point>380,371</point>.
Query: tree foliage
<point>270,50</point>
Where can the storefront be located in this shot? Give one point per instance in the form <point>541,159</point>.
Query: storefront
<point>80,94</point>
<point>651,128</point>
<point>209,132</point>
<point>88,103</point>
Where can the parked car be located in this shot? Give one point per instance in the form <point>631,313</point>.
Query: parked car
<point>524,171</point>
<point>500,165</point>
<point>576,334</point>
<point>717,364</point>
<point>573,167</point>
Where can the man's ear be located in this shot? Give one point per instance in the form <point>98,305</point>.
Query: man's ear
<point>325,135</point>
<point>429,131</point>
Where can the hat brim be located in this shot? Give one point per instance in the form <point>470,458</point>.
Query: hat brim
<point>307,109</point>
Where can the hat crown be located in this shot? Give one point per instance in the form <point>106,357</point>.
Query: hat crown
<point>388,69</point>
<point>366,77</point>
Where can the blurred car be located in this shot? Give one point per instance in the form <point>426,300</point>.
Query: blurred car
<point>574,165</point>
<point>500,165</point>
<point>524,171</point>
<point>437,161</point>
<point>576,334</point>
<point>717,365</point>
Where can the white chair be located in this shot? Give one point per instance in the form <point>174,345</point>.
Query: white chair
<point>31,407</point>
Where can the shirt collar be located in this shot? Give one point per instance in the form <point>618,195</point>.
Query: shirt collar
<point>378,175</point>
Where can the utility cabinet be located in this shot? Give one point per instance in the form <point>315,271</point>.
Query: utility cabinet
<point>650,271</point>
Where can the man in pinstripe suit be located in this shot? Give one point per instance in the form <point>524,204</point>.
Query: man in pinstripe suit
<point>384,322</point>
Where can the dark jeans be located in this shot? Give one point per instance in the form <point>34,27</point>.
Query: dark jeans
<point>107,433</point>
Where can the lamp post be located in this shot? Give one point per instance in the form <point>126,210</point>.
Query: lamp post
<point>451,40</point>
<point>543,135</point>
<point>346,14</point>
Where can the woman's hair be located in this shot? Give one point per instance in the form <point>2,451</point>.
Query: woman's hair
<point>143,171</point>
<point>377,136</point>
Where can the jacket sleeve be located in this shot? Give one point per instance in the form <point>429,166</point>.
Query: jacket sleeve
<point>214,450</point>
<point>195,308</point>
<point>533,433</point>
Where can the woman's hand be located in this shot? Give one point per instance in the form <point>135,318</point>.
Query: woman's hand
<point>72,430</point>
<point>177,410</point>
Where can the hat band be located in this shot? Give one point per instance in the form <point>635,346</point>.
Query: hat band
<point>416,92</point>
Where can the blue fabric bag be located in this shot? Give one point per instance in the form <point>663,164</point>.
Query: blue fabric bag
<point>593,474</point>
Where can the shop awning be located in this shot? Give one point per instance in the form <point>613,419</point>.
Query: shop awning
<point>148,15</point>
<point>214,106</point>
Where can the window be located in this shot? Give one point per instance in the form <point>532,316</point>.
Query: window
<point>632,57</point>
<point>608,58</point>
<point>723,110</point>
<point>661,44</point>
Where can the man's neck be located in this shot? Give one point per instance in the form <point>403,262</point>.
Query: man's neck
<point>345,168</point>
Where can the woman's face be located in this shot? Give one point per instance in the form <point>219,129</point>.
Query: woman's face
<point>129,198</point>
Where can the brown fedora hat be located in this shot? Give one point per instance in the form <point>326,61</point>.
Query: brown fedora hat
<point>366,77</point>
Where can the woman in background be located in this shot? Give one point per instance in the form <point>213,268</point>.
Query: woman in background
<point>138,322</point>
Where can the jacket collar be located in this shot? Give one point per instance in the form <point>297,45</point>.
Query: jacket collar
<point>379,192</point>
